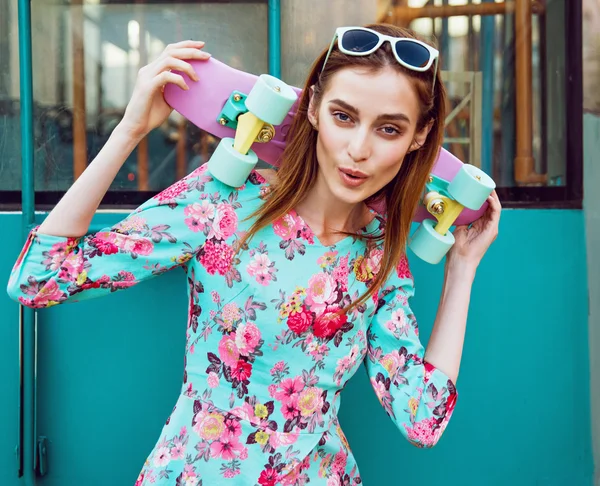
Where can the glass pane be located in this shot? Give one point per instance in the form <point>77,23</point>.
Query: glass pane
<point>10,112</point>
<point>466,43</point>
<point>86,60</point>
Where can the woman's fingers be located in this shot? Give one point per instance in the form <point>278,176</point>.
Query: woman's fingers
<point>168,77</point>
<point>184,53</point>
<point>172,63</point>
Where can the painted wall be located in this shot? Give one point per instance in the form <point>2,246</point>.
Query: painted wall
<point>109,372</point>
<point>591,126</point>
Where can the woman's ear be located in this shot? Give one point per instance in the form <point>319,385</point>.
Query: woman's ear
<point>420,137</point>
<point>312,110</point>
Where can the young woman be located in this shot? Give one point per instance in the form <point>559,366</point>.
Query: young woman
<point>294,280</point>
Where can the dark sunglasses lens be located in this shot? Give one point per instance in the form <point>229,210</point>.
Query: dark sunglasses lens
<point>412,53</point>
<point>359,40</point>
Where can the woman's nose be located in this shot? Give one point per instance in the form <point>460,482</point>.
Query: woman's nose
<point>359,147</point>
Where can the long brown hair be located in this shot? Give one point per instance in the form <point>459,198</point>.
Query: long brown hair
<point>298,170</point>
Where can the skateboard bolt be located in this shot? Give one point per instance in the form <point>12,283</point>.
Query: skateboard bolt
<point>277,88</point>
<point>222,121</point>
<point>430,180</point>
<point>437,207</point>
<point>237,97</point>
<point>266,134</point>
<point>478,178</point>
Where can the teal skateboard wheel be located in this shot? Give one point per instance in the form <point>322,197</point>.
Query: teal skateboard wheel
<point>270,99</point>
<point>471,187</point>
<point>428,244</point>
<point>230,166</point>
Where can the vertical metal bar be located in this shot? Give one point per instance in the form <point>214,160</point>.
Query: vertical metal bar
<point>445,54</point>
<point>26,442</point>
<point>79,109</point>
<point>274,40</point>
<point>486,66</point>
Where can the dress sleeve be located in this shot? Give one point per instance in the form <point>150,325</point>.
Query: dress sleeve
<point>163,233</point>
<point>418,397</point>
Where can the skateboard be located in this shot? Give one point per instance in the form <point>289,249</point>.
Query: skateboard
<point>252,116</point>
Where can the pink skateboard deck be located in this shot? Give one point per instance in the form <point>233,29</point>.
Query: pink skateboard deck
<point>203,102</point>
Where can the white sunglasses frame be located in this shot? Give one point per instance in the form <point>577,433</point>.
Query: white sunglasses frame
<point>434,54</point>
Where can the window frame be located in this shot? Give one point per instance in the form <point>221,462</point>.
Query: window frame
<point>569,196</point>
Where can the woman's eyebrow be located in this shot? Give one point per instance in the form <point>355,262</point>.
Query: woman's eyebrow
<point>385,116</point>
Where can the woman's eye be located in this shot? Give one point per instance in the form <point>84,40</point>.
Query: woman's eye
<point>343,117</point>
<point>391,131</point>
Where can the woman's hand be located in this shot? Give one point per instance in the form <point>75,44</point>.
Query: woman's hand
<point>472,242</point>
<point>147,108</point>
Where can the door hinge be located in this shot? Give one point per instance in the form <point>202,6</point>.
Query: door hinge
<point>42,459</point>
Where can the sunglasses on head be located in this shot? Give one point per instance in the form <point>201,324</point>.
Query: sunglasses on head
<point>361,41</point>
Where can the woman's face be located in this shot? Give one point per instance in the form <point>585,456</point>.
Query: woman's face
<point>366,124</point>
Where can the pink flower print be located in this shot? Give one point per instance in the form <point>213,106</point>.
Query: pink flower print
<point>217,257</point>
<point>287,227</point>
<point>131,244</point>
<point>259,265</point>
<point>226,448</point>
<point>105,247</point>
<point>289,407</point>
<point>374,260</point>
<point>281,439</point>
<point>379,388</point>
<point>230,314</point>
<point>232,428</point>
<point>422,433</point>
<point>328,323</point>
<point>71,268</point>
<point>399,318</point>
<point>289,387</point>
<point>128,280</point>
<point>402,269</point>
<point>202,211</point>
<point>213,380</point>
<point>278,367</point>
<point>339,463</point>
<point>56,255</point>
<point>170,193</point>
<point>320,292</point>
<point>327,259</point>
<point>189,475</point>
<point>393,361</point>
<point>241,371</point>
<point>247,338</point>
<point>310,401</point>
<point>264,279</point>
<point>272,390</point>
<point>162,456</point>
<point>228,351</point>
<point>333,481</point>
<point>131,223</point>
<point>209,426</point>
<point>48,293</point>
<point>225,222</point>
<point>215,296</point>
<point>300,322</point>
<point>178,450</point>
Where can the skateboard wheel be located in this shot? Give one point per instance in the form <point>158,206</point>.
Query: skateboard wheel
<point>471,187</point>
<point>428,244</point>
<point>270,99</point>
<point>230,166</point>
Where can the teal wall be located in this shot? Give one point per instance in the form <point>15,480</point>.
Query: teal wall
<point>109,372</point>
<point>591,142</point>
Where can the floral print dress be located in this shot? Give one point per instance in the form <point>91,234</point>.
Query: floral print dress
<point>266,355</point>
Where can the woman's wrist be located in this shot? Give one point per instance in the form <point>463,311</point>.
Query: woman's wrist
<point>460,267</point>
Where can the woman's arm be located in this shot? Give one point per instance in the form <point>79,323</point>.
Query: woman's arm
<point>444,350</point>
<point>147,110</point>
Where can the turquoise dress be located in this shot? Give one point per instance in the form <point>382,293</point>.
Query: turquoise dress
<point>266,355</point>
